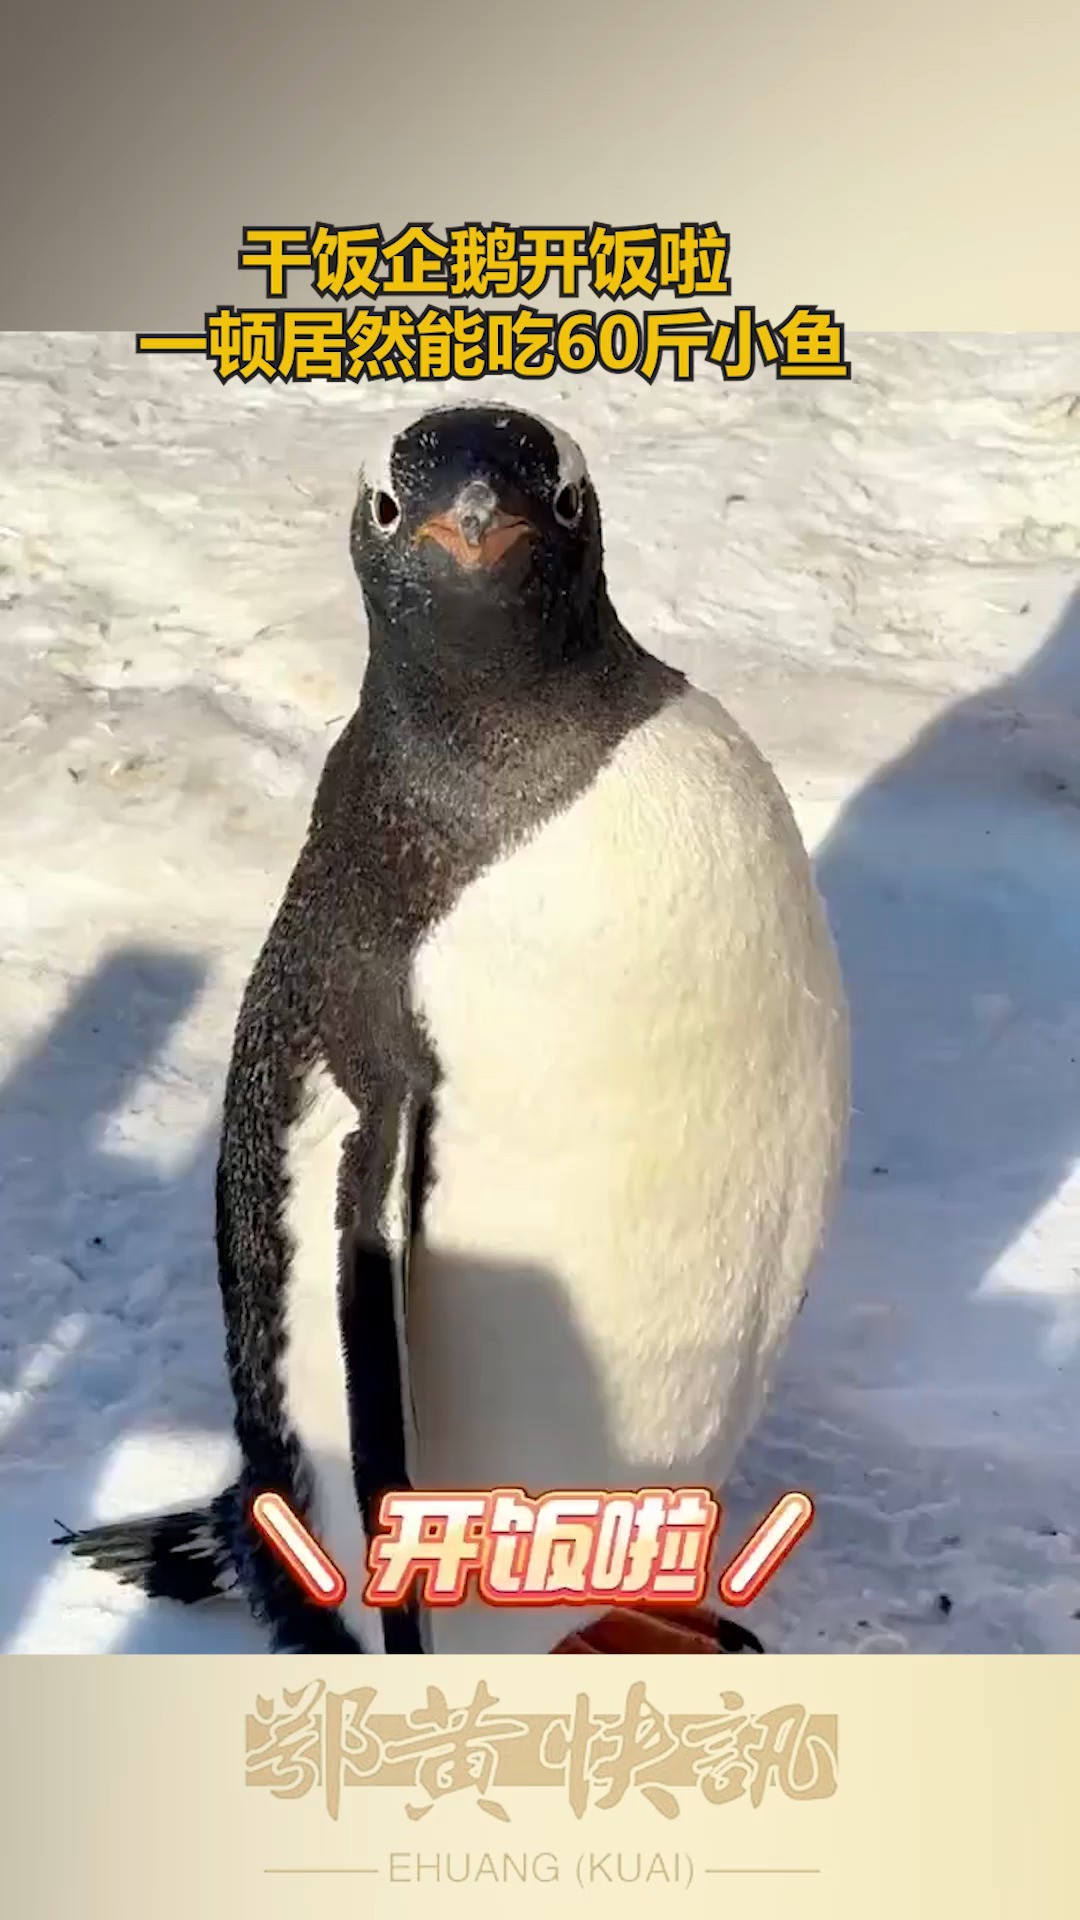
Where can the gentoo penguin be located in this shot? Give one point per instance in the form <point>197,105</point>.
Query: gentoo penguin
<point>539,1088</point>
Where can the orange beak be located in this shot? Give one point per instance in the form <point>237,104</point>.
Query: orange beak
<point>475,531</point>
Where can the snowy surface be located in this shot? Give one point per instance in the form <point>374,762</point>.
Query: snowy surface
<point>881,579</point>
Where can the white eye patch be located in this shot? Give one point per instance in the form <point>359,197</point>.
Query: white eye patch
<point>381,441</point>
<point>572,469</point>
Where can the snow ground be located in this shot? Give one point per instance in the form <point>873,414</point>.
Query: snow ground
<point>881,578</point>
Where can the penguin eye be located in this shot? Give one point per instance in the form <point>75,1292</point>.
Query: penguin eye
<point>385,511</point>
<point>568,505</point>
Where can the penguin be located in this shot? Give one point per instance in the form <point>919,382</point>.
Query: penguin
<point>539,1091</point>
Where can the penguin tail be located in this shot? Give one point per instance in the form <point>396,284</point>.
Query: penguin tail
<point>168,1556</point>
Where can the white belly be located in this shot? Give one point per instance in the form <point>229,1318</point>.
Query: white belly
<point>641,1031</point>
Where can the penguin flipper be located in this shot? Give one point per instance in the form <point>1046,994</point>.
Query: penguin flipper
<point>312,1220</point>
<point>379,1197</point>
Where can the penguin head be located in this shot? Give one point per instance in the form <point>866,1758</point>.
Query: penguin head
<point>476,541</point>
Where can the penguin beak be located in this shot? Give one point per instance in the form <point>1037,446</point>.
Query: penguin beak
<point>475,531</point>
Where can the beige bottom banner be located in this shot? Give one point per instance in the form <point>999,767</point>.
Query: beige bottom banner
<point>148,1788</point>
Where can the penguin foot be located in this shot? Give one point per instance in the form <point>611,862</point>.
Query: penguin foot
<point>641,1630</point>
